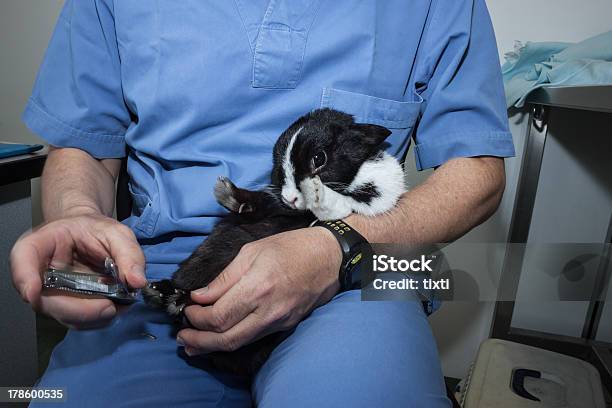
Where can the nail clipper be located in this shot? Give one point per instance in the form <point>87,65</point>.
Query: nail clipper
<point>105,284</point>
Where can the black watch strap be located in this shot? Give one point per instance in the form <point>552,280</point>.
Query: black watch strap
<point>354,247</point>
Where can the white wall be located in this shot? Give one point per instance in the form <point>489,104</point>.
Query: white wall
<point>548,20</point>
<point>25,29</point>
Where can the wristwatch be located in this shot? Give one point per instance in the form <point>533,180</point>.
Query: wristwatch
<point>354,251</point>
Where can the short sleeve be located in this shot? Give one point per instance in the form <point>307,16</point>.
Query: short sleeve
<point>458,75</point>
<point>77,100</point>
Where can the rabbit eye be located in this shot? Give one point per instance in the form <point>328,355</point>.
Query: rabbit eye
<point>318,161</point>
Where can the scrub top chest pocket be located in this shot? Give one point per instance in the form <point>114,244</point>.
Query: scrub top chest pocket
<point>278,41</point>
<point>398,116</point>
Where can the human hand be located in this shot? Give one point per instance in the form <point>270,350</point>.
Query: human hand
<point>79,240</point>
<point>270,286</point>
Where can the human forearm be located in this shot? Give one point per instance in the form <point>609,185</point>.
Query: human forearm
<point>77,198</point>
<point>458,196</point>
<point>74,183</point>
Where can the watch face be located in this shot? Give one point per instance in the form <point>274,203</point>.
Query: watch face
<point>352,272</point>
<point>354,250</point>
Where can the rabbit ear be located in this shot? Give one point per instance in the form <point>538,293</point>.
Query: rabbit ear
<point>372,135</point>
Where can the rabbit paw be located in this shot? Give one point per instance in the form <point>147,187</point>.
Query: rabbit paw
<point>325,203</point>
<point>312,190</point>
<point>225,193</point>
<point>317,191</point>
<point>164,295</point>
<point>177,302</point>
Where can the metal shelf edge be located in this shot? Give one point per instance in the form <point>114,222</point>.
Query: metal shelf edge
<point>596,98</point>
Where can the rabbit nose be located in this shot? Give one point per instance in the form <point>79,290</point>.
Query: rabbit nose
<point>290,201</point>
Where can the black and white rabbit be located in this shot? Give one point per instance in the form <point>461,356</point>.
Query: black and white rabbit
<point>325,166</point>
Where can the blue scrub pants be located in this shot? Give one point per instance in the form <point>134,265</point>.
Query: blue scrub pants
<point>347,353</point>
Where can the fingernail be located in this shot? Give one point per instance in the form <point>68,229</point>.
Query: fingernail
<point>190,351</point>
<point>201,291</point>
<point>107,313</point>
<point>25,289</point>
<point>138,274</point>
<point>180,341</point>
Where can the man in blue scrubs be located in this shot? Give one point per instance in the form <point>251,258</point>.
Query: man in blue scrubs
<point>191,90</point>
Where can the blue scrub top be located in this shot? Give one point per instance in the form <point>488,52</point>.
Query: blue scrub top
<point>191,90</point>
